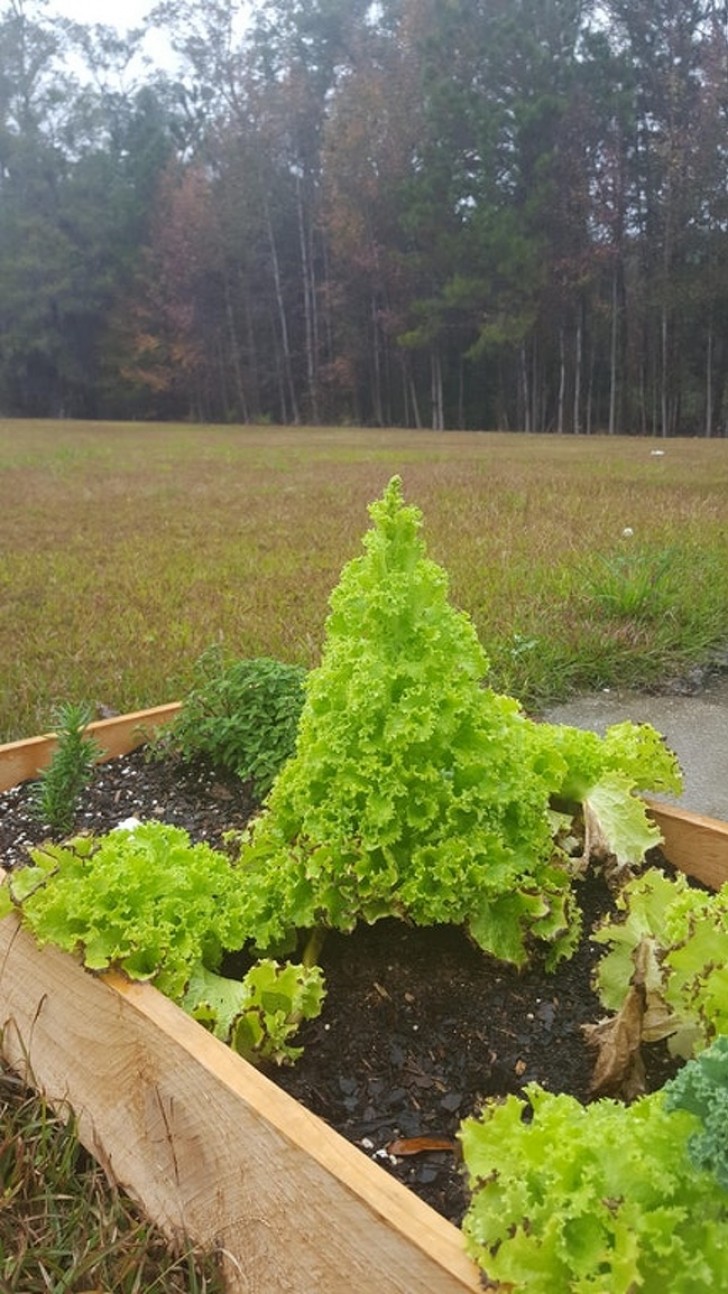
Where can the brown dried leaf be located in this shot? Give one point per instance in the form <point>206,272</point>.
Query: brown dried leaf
<point>619,1069</point>
<point>420,1145</point>
<point>644,1017</point>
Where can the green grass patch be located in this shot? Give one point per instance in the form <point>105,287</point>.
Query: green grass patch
<point>126,550</point>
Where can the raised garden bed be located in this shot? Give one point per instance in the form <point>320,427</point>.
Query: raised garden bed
<point>208,1145</point>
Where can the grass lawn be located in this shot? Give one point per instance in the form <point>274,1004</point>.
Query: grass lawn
<point>127,549</point>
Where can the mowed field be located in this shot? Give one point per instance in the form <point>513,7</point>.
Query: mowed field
<point>128,549</point>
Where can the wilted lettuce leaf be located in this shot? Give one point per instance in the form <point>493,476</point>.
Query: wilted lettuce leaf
<point>684,933</point>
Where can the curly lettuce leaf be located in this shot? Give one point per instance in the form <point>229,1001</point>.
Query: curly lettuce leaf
<point>578,759</point>
<point>603,1197</point>
<point>617,826</point>
<point>259,1014</point>
<point>639,752</point>
<point>145,901</point>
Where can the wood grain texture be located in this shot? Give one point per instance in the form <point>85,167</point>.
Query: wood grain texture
<point>209,1146</point>
<point>20,760</point>
<point>695,844</point>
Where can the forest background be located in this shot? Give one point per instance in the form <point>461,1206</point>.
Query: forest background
<point>504,214</point>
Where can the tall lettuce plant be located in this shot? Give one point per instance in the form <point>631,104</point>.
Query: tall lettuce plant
<point>417,792</point>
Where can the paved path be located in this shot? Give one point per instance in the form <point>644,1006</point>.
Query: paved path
<point>695,727</point>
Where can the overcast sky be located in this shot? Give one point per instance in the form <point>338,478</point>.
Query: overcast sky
<point>123,15</point>
<point>128,13</point>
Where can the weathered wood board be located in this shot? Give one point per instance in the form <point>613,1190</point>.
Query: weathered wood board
<point>211,1148</point>
<point>697,845</point>
<point>20,760</point>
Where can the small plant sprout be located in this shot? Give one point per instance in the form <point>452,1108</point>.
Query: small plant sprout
<point>71,768</point>
<point>636,583</point>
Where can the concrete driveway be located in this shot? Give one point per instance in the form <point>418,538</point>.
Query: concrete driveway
<point>695,727</point>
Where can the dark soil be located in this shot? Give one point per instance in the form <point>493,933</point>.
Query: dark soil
<point>418,1027</point>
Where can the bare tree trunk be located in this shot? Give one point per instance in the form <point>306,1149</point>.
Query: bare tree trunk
<point>664,402</point>
<point>613,358</point>
<point>643,389</point>
<point>524,389</point>
<point>438,413</point>
<point>252,357</point>
<point>405,398</point>
<point>562,385</point>
<point>590,394</point>
<point>315,313</point>
<point>327,312</point>
<point>281,384</point>
<point>309,308</point>
<point>283,322</point>
<point>461,393</point>
<point>578,360</point>
<point>235,355</point>
<point>377,364</point>
<point>415,403</point>
<point>709,384</point>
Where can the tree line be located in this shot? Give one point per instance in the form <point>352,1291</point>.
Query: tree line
<point>427,213</point>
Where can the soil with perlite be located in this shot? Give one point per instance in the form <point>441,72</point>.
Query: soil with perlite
<point>418,1026</point>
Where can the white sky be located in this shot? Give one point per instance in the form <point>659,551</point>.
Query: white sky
<point>123,15</point>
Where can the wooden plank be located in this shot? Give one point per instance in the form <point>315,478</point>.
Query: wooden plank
<point>695,844</point>
<point>209,1146</point>
<point>20,760</point>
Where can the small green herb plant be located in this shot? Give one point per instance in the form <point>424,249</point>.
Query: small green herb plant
<point>159,908</point>
<point>417,792</point>
<point>605,1198</point>
<point>55,794</point>
<point>242,715</point>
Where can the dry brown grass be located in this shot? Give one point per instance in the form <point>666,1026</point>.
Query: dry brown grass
<point>126,549</point>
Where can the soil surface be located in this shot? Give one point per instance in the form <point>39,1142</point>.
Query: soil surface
<point>418,1026</point>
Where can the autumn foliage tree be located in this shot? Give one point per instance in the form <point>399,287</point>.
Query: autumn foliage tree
<point>479,213</point>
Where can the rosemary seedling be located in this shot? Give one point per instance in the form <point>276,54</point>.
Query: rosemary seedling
<point>55,794</point>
